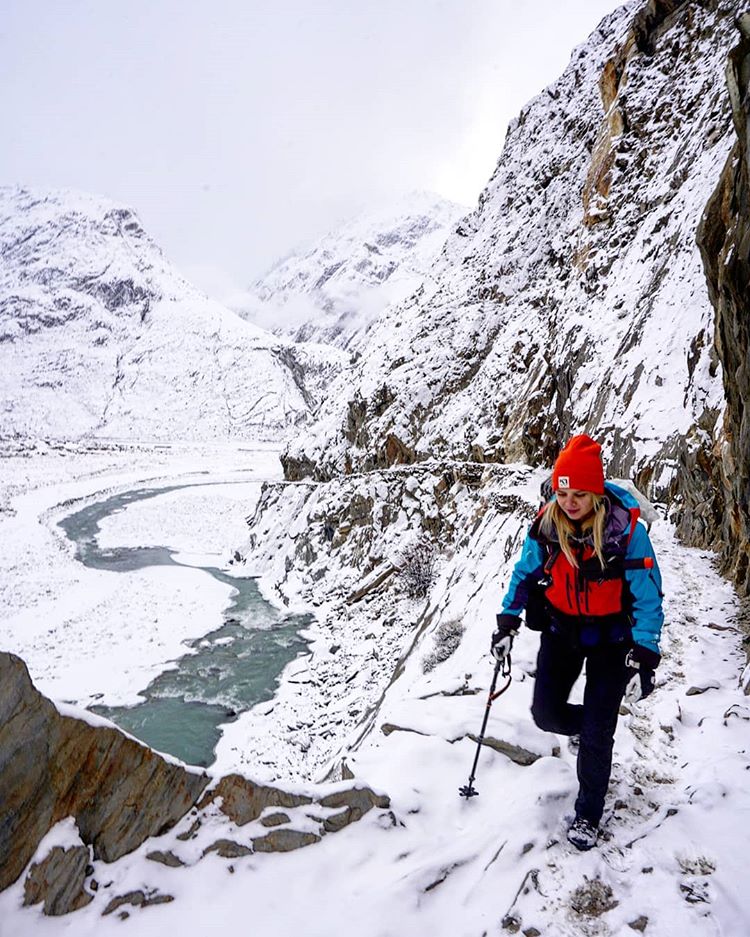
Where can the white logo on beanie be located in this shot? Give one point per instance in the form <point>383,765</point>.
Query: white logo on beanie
<point>563,481</point>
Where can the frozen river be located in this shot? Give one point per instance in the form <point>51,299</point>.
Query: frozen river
<point>224,671</point>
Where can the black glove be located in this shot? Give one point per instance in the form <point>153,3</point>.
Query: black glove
<point>641,663</point>
<point>502,638</point>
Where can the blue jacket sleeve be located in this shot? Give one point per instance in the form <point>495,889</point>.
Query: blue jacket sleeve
<point>527,571</point>
<point>645,589</point>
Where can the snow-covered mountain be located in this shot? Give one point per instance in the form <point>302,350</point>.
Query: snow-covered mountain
<point>574,297</point>
<point>332,290</point>
<point>99,335</point>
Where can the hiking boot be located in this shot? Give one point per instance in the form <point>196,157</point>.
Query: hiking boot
<point>574,743</point>
<point>582,834</point>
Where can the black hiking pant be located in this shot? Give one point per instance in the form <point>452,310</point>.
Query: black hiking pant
<point>558,666</point>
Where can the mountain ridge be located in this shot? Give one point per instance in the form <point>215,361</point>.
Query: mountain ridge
<point>101,336</point>
<point>555,285</point>
<point>333,289</point>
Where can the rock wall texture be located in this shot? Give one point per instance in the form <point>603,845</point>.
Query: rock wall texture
<point>58,881</point>
<point>724,239</point>
<point>351,545</point>
<point>243,801</point>
<point>54,766</point>
<point>573,299</point>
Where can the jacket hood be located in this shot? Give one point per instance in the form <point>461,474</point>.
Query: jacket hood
<point>619,495</point>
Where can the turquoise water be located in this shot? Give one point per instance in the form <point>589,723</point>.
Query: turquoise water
<point>221,675</point>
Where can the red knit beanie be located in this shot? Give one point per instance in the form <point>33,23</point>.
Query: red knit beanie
<point>579,466</point>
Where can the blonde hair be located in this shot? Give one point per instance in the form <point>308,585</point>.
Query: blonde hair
<point>554,518</point>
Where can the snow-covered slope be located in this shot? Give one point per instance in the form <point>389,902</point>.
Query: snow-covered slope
<point>332,290</point>
<point>671,859</point>
<point>574,297</point>
<point>405,683</point>
<point>100,335</point>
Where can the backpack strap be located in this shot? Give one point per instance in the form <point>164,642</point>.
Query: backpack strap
<point>553,551</point>
<point>635,513</point>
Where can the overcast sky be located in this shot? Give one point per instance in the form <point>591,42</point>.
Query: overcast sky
<point>239,129</point>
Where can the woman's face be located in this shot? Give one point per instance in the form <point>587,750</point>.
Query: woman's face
<point>577,505</point>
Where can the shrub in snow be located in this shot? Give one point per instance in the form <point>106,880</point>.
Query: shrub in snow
<point>447,638</point>
<point>417,568</point>
<point>593,898</point>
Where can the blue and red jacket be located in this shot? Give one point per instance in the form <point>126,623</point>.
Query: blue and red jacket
<point>628,592</point>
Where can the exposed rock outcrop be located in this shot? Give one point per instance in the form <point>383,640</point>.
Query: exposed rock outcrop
<point>516,753</point>
<point>724,239</point>
<point>351,805</point>
<point>349,544</point>
<point>244,801</point>
<point>54,766</point>
<point>119,793</point>
<point>138,899</point>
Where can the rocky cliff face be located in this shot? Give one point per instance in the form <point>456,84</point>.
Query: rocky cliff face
<point>573,298</point>
<point>53,766</point>
<point>99,335</point>
<point>724,239</point>
<point>76,795</point>
<point>366,551</point>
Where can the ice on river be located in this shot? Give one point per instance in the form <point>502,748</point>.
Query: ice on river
<point>202,522</point>
<point>92,635</point>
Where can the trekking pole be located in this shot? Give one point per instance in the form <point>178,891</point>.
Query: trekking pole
<point>502,666</point>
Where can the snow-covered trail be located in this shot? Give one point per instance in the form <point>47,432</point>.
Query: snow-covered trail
<point>678,798</point>
<point>679,792</point>
<point>670,862</point>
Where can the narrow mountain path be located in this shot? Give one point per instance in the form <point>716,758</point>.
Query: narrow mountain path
<point>669,862</point>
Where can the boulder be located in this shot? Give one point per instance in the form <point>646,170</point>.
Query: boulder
<point>275,819</point>
<point>228,849</point>
<point>243,801</point>
<point>352,803</point>
<point>165,858</point>
<point>284,841</point>
<point>516,753</point>
<point>58,880</point>
<point>138,899</point>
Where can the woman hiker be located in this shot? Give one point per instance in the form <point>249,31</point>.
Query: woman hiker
<point>588,580</point>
